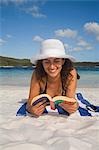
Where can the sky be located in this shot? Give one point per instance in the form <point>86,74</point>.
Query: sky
<point>24,24</point>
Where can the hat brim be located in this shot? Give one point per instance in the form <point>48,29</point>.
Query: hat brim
<point>41,57</point>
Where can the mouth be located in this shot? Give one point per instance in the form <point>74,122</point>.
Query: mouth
<point>52,71</point>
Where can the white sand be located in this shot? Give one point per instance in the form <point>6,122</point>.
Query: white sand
<point>46,132</point>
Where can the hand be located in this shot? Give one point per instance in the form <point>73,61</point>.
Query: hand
<point>70,107</point>
<point>38,109</point>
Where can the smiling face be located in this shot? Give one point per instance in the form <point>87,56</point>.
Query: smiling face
<point>53,66</point>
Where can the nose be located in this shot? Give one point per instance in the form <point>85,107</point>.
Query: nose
<point>52,66</point>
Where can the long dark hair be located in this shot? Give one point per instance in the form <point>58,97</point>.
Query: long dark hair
<point>66,76</point>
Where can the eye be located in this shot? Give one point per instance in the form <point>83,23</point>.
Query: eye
<point>57,61</point>
<point>45,61</point>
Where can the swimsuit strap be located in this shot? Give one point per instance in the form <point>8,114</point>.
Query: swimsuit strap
<point>45,89</point>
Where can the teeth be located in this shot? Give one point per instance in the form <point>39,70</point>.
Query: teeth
<point>52,71</point>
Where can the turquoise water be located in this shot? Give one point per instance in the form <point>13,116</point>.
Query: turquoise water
<point>89,77</point>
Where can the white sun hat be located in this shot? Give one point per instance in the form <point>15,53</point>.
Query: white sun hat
<point>51,48</point>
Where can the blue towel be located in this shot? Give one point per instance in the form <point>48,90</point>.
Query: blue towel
<point>22,110</point>
<point>85,108</point>
<point>87,103</point>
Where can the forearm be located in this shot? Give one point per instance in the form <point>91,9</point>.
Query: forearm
<point>70,107</point>
<point>75,108</point>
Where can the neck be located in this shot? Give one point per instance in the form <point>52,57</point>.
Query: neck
<point>54,79</point>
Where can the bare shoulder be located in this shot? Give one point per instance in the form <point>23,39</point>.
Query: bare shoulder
<point>34,80</point>
<point>34,75</point>
<point>34,86</point>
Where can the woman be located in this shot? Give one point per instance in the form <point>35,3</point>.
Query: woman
<point>54,75</point>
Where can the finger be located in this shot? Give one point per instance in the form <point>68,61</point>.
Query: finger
<point>40,103</point>
<point>40,111</point>
<point>71,110</point>
<point>68,103</point>
<point>68,108</point>
<point>52,105</point>
<point>43,106</point>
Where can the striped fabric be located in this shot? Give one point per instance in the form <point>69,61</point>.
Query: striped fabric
<point>85,108</point>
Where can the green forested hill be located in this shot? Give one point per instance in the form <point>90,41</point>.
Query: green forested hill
<point>87,64</point>
<point>7,61</point>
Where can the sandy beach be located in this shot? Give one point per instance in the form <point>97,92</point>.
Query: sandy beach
<point>46,132</point>
<point>43,35</point>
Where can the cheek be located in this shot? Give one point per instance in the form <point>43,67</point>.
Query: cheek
<point>60,67</point>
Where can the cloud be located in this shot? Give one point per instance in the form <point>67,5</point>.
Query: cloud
<point>6,2</point>
<point>77,49</point>
<point>83,45</point>
<point>37,38</point>
<point>5,39</point>
<point>8,36</point>
<point>97,38</point>
<point>70,48</point>
<point>32,7</point>
<point>66,33</point>
<point>92,28</point>
<point>66,46</point>
<point>19,2</point>
<point>34,11</point>
<point>2,41</point>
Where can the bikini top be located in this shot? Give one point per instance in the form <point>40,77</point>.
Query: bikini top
<point>45,89</point>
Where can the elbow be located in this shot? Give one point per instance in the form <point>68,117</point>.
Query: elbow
<point>28,108</point>
<point>76,106</point>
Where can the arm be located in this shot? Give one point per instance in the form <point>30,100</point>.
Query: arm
<point>71,90</point>
<point>34,87</point>
<point>38,109</point>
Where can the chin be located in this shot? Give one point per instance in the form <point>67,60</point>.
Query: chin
<point>53,75</point>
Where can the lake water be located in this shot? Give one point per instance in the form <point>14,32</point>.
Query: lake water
<point>89,77</point>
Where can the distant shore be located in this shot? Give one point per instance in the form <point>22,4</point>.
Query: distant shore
<point>13,62</point>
